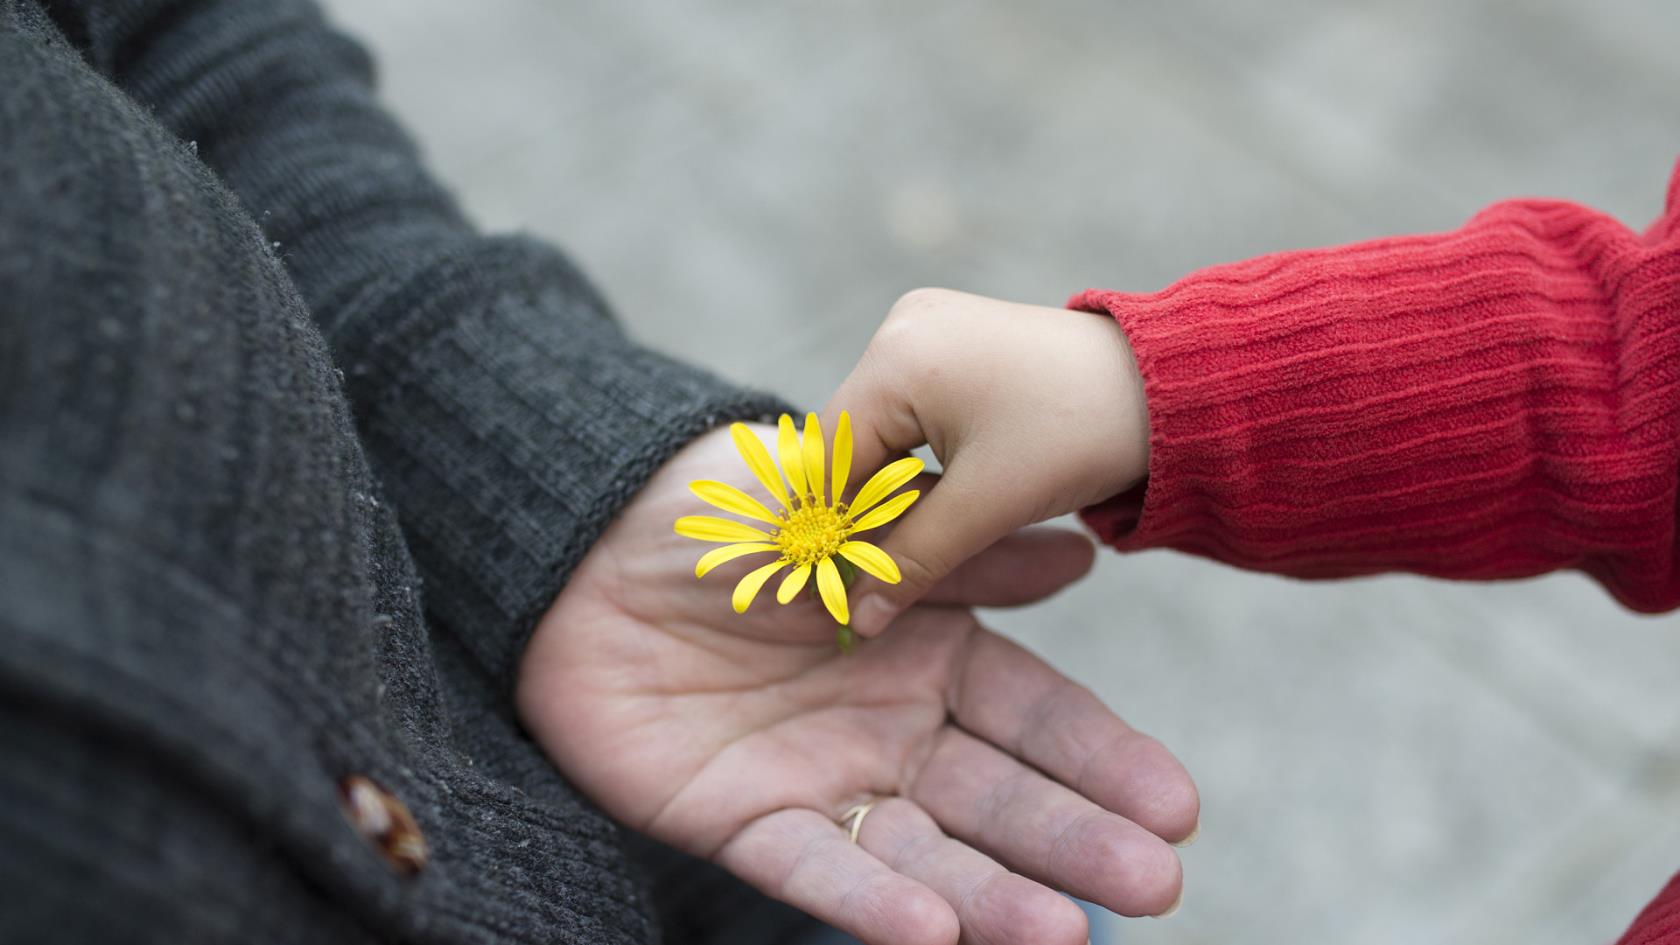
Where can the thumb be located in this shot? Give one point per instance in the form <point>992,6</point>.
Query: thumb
<point>962,515</point>
<point>880,422</point>
<point>959,516</point>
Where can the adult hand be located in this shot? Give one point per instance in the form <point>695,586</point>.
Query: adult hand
<point>744,738</point>
<point>1034,412</point>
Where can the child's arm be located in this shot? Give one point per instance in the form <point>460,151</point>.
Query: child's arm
<point>1493,402</point>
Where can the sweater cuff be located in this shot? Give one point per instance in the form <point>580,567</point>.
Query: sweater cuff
<point>514,420</point>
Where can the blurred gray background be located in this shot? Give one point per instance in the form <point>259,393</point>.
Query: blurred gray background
<point>753,183</point>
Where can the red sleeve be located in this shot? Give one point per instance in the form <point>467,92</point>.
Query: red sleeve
<point>1493,402</point>
<point>1659,923</point>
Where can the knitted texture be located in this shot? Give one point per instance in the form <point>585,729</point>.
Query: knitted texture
<point>1659,923</point>
<point>211,614</point>
<point>478,367</point>
<point>1494,402</point>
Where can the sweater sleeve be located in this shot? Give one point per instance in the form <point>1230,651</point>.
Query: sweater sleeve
<point>1493,402</point>
<point>504,410</point>
<point>1659,922</point>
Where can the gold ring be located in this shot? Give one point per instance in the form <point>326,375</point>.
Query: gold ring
<point>856,815</point>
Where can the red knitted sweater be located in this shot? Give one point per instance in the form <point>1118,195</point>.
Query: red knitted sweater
<point>1493,402</point>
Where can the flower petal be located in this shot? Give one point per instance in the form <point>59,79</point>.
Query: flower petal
<point>758,460</point>
<point>717,556</point>
<point>812,456</point>
<point>712,528</point>
<point>883,483</point>
<point>871,560</point>
<point>793,583</point>
<point>730,499</point>
<point>833,590</point>
<point>842,457</point>
<point>748,588</point>
<point>886,512</point>
<point>787,449</point>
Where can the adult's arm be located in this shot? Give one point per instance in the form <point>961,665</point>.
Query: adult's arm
<point>506,413</point>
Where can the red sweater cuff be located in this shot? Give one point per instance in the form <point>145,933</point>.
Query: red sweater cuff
<point>1495,402</point>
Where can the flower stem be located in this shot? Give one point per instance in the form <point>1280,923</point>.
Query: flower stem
<point>845,639</point>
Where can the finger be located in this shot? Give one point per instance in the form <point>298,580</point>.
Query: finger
<point>883,423</point>
<point>991,903</point>
<point>967,512</point>
<point>956,518</point>
<point>1044,830</point>
<point>1022,567</point>
<point>1016,701</point>
<point>804,859</point>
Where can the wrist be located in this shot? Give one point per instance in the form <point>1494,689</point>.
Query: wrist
<point>1130,463</point>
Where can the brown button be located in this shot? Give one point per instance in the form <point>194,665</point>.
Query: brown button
<point>385,822</point>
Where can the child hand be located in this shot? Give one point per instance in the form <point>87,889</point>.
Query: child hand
<point>1033,411</point>
<point>747,737</point>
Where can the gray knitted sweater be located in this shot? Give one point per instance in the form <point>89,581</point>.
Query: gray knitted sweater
<point>291,457</point>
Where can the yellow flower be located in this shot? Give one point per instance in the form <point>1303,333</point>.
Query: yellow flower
<point>808,532</point>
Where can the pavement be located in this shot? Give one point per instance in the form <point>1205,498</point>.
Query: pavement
<point>1387,760</point>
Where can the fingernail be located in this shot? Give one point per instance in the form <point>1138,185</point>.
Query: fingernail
<point>872,615</point>
<point>1172,909</point>
<point>1194,833</point>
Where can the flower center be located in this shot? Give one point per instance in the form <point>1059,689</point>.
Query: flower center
<point>811,533</point>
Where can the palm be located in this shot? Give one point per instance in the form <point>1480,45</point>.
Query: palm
<point>743,737</point>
